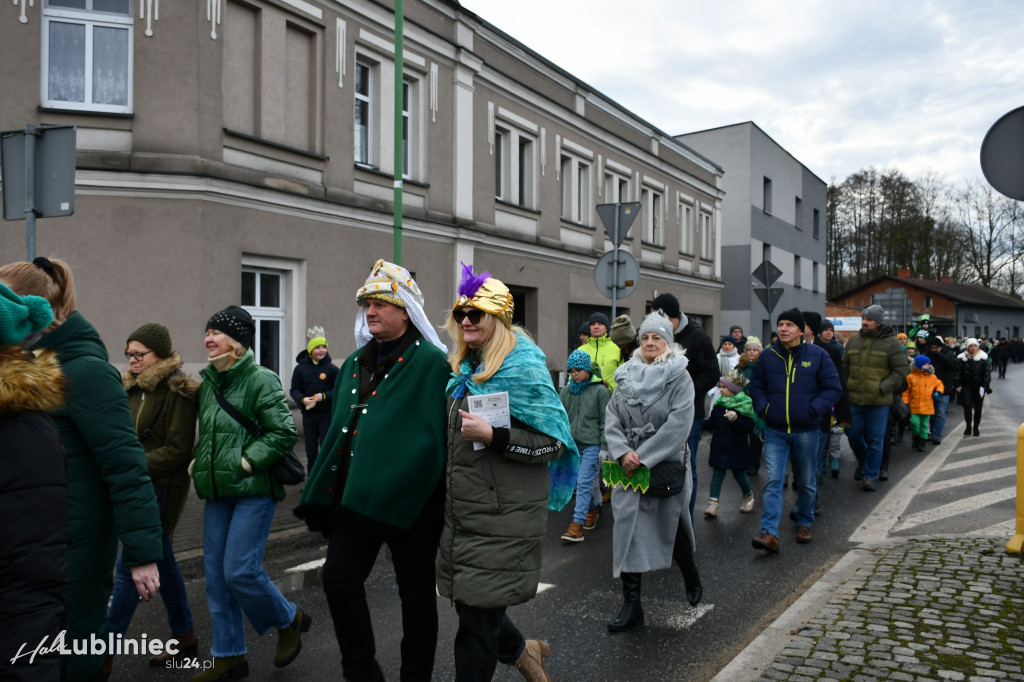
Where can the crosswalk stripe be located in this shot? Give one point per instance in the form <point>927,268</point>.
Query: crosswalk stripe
<point>968,504</point>
<point>308,566</point>
<point>975,461</point>
<point>967,480</point>
<point>1006,529</point>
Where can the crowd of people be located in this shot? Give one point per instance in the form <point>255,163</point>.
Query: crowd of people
<point>450,454</point>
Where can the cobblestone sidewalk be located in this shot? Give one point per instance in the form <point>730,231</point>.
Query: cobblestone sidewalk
<point>932,608</point>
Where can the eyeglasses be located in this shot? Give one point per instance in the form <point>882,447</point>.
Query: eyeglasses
<point>473,315</point>
<point>136,356</point>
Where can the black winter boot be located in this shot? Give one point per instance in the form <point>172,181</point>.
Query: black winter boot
<point>683,554</point>
<point>632,613</point>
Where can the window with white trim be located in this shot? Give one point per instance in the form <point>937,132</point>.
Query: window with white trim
<point>263,293</point>
<point>575,179</point>
<point>514,166</point>
<point>685,227</point>
<point>616,187</point>
<point>707,236</point>
<point>364,112</point>
<point>408,127</point>
<point>87,55</point>
<point>652,204</point>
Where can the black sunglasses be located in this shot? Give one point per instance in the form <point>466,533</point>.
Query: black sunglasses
<point>474,315</point>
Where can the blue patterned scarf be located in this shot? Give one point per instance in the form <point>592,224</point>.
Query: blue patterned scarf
<point>532,400</point>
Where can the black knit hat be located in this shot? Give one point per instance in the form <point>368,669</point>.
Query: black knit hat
<point>668,304</point>
<point>153,336</point>
<point>813,320</point>
<point>235,322</point>
<point>599,317</point>
<point>792,315</point>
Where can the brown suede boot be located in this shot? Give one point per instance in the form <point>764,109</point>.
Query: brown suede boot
<point>530,663</point>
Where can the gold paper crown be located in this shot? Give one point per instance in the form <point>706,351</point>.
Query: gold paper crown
<point>385,281</point>
<point>314,333</point>
<point>485,293</point>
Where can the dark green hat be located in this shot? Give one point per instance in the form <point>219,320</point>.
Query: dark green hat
<point>154,337</point>
<point>21,316</point>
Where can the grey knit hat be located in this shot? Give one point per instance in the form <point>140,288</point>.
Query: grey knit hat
<point>657,323</point>
<point>874,312</point>
<point>153,336</point>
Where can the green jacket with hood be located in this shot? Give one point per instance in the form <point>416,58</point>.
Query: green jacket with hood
<point>256,392</point>
<point>874,366</point>
<point>110,496</point>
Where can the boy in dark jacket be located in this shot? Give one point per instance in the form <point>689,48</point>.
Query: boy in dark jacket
<point>313,390</point>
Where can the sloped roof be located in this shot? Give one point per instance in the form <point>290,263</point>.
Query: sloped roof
<point>974,294</point>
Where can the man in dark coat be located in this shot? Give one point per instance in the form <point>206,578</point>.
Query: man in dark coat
<point>702,366</point>
<point>793,384</point>
<point>944,363</point>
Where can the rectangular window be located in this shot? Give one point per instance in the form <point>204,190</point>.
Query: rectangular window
<point>652,216</point>
<point>685,228</point>
<point>707,235</point>
<point>575,179</point>
<point>500,174</point>
<point>263,297</point>
<point>928,302</point>
<point>583,193</point>
<point>798,214</point>
<point>525,174</point>
<point>87,55</point>
<point>408,93</point>
<point>796,271</point>
<point>767,198</point>
<point>817,224</point>
<point>363,114</point>
<point>514,166</point>
<point>814,273</point>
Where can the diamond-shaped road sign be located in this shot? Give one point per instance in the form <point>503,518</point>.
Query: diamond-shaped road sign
<point>767,272</point>
<point>763,296</point>
<point>627,214</point>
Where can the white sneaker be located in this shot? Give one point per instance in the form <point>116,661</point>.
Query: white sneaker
<point>747,505</point>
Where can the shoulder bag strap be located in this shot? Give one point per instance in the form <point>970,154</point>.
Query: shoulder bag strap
<point>253,429</point>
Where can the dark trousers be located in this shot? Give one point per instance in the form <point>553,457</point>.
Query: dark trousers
<point>351,553</point>
<point>972,406</point>
<point>485,636</point>
<point>314,430</point>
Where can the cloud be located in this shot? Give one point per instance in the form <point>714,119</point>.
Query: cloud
<point>842,86</point>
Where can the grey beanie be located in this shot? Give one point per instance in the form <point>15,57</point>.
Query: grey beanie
<point>657,323</point>
<point>874,312</point>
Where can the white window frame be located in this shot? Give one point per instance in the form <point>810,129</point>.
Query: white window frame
<point>686,227</point>
<point>291,311</point>
<point>707,235</point>
<point>575,172</point>
<point>410,92</point>
<point>653,205</point>
<point>515,150</point>
<point>92,20</point>
<point>368,100</point>
<point>616,185</point>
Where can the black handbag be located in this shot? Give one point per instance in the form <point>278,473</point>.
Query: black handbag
<point>667,478</point>
<point>899,409</point>
<point>288,470</point>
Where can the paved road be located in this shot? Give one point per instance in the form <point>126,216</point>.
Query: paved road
<point>746,591</point>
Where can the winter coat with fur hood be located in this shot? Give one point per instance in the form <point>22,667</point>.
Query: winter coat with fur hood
<point>973,371</point>
<point>33,491</point>
<point>163,401</point>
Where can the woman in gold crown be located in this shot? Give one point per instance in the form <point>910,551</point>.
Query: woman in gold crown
<point>500,480</point>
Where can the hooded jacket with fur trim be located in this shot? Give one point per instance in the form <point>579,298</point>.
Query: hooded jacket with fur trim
<point>164,404</point>
<point>33,490</point>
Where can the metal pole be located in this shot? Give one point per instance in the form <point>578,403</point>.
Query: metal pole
<point>30,193</point>
<point>615,261</point>
<point>399,119</point>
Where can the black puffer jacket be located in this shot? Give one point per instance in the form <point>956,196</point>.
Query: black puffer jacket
<point>33,491</point>
<point>702,362</point>
<point>973,371</point>
<point>309,379</point>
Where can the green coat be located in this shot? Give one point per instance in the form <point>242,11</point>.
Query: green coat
<point>163,402</point>
<point>398,445</point>
<point>586,412</point>
<point>256,392</point>
<point>874,366</point>
<point>606,354</point>
<point>110,496</point>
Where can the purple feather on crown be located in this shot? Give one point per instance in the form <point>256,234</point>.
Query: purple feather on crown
<point>471,283</point>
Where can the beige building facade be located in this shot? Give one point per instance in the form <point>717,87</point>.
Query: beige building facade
<point>234,151</point>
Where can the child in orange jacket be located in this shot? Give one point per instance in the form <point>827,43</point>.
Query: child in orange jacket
<point>923,386</point>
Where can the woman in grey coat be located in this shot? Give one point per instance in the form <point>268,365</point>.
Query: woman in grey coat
<point>646,424</point>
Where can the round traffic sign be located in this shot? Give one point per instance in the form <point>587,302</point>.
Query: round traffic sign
<point>628,274</point>
<point>1002,155</point>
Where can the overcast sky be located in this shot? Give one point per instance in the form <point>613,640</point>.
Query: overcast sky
<point>842,86</point>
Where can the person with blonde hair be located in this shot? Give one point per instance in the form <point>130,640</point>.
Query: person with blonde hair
<point>231,472</point>
<point>110,494</point>
<point>500,480</point>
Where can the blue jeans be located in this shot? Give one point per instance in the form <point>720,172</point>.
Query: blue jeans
<point>866,434</point>
<point>779,448</point>
<point>590,464</point>
<point>693,442</point>
<point>235,531</point>
<point>172,592</point>
<point>939,418</point>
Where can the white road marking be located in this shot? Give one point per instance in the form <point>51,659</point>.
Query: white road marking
<point>1005,530</point>
<point>968,504</point>
<point>689,617</point>
<point>308,566</point>
<point>1009,472</point>
<point>979,460</point>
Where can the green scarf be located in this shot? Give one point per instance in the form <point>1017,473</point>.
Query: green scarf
<point>739,403</point>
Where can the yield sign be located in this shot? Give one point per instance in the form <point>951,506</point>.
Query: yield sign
<point>626,214</point>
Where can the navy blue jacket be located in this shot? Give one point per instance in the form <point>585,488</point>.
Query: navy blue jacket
<point>308,379</point>
<point>793,387</point>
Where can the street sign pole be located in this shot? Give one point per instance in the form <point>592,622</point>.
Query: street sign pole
<point>30,193</point>
<point>615,261</point>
